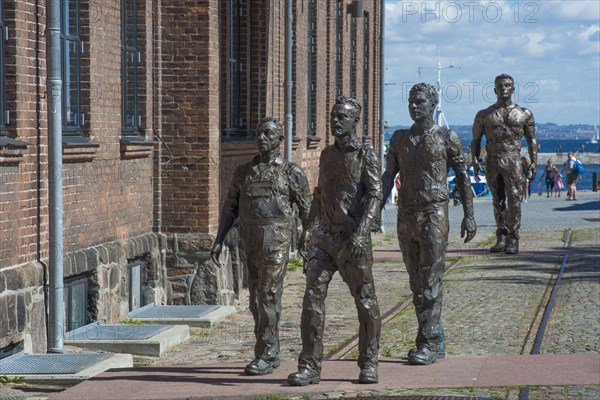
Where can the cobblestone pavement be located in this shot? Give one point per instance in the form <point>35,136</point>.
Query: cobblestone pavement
<point>490,302</point>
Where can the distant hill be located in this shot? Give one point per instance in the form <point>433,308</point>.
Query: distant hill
<point>547,130</point>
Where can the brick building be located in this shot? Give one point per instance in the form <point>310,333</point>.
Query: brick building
<point>160,102</point>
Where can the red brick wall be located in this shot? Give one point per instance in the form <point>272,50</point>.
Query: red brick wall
<point>190,115</point>
<point>107,198</point>
<point>306,153</point>
<point>23,187</point>
<point>112,197</point>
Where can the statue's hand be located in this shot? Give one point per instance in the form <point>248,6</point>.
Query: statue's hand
<point>469,228</point>
<point>476,166</point>
<point>303,247</point>
<point>533,169</point>
<point>358,245</point>
<point>215,252</point>
<point>376,224</point>
<point>476,170</point>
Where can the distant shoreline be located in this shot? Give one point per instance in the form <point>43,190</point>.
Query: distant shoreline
<point>559,159</point>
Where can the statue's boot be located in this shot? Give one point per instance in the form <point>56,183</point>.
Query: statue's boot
<point>512,246</point>
<point>441,346</point>
<point>368,374</point>
<point>304,376</point>
<point>422,356</point>
<point>261,367</point>
<point>500,244</point>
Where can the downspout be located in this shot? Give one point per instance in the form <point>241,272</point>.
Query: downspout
<point>381,84</point>
<point>54,94</point>
<point>289,123</point>
<point>381,88</point>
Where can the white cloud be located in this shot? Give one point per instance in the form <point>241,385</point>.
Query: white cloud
<point>580,10</point>
<point>537,46</point>
<point>533,41</point>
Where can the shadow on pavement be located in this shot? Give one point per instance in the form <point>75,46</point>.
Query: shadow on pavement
<point>579,206</point>
<point>583,264</point>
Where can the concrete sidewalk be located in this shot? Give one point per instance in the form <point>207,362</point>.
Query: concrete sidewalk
<point>228,381</point>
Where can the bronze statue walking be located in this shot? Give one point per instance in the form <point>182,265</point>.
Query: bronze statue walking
<point>421,156</point>
<point>261,194</point>
<point>504,124</point>
<point>345,202</point>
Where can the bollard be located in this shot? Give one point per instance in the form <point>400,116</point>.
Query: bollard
<point>594,181</point>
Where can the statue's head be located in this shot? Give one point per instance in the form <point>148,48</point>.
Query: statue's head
<point>504,86</point>
<point>503,76</point>
<point>422,100</point>
<point>269,134</point>
<point>344,116</point>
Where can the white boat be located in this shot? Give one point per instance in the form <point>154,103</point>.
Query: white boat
<point>596,136</point>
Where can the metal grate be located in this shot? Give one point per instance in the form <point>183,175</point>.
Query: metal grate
<point>195,311</point>
<point>95,332</point>
<point>32,364</point>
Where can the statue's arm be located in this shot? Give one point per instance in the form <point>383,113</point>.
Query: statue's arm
<point>463,185</point>
<point>300,191</point>
<point>229,213</point>
<point>532,144</point>
<point>373,194</point>
<point>391,170</point>
<point>478,132</point>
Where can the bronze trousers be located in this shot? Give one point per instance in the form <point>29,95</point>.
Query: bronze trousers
<point>327,256</point>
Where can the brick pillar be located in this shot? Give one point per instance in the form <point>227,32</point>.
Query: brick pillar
<point>190,129</point>
<point>190,115</point>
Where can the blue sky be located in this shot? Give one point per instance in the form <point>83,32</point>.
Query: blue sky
<point>550,47</point>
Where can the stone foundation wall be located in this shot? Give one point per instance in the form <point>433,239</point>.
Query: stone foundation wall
<point>193,276</point>
<point>106,270</point>
<point>22,310</point>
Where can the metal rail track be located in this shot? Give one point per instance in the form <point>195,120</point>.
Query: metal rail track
<point>346,347</point>
<point>548,306</point>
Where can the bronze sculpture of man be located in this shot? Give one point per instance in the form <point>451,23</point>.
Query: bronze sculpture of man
<point>504,124</point>
<point>422,156</point>
<point>262,194</point>
<point>345,201</point>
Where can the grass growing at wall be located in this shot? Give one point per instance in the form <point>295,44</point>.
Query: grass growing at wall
<point>294,264</point>
<point>16,379</point>
<point>488,241</point>
<point>131,322</point>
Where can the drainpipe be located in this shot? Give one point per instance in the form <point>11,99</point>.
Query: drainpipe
<point>54,94</point>
<point>381,89</point>
<point>381,84</point>
<point>288,80</point>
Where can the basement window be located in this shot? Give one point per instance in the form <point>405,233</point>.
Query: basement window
<point>75,294</point>
<point>12,349</point>
<point>135,285</point>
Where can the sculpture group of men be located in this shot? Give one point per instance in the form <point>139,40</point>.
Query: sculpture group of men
<point>346,205</point>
